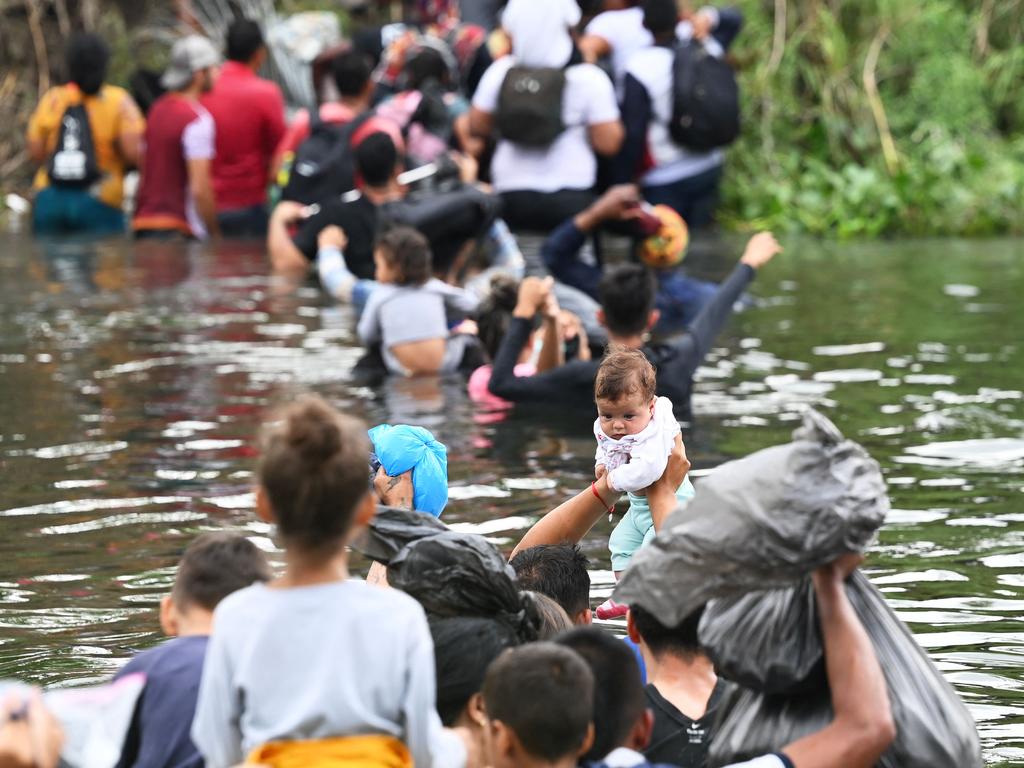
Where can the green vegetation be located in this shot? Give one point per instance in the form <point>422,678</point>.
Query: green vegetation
<point>880,117</point>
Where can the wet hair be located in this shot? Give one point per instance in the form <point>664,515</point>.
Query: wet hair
<point>554,620</point>
<point>558,571</point>
<point>244,40</point>
<point>618,689</point>
<point>376,159</point>
<point>215,565</point>
<point>494,315</point>
<point>464,648</point>
<point>681,639</point>
<point>351,71</point>
<point>408,252</point>
<point>313,469</point>
<point>87,57</point>
<point>424,66</point>
<point>544,693</point>
<point>624,373</point>
<point>627,298</point>
<point>660,16</point>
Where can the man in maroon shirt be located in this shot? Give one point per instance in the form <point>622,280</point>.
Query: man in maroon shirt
<point>249,114</point>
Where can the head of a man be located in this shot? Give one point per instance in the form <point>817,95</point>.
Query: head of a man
<point>659,640</point>
<point>539,702</point>
<point>87,57</point>
<point>627,293</point>
<point>352,73</point>
<point>245,43</point>
<point>661,18</point>
<point>560,572</point>
<point>621,718</point>
<point>193,66</point>
<point>377,160</point>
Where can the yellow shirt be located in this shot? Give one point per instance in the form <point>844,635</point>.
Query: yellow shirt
<point>112,113</point>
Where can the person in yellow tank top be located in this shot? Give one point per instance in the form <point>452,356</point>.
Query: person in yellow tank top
<point>83,204</point>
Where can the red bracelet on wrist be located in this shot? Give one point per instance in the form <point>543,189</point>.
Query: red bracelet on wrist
<point>593,489</point>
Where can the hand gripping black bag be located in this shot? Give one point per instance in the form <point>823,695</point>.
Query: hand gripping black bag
<point>73,162</point>
<point>530,106</point>
<point>761,522</point>
<point>705,99</point>
<point>933,727</point>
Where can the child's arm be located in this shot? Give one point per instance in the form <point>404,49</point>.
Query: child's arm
<point>458,302</point>
<point>334,272</point>
<point>215,729</point>
<point>369,322</point>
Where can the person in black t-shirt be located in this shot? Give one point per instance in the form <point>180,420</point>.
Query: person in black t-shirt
<point>682,689</point>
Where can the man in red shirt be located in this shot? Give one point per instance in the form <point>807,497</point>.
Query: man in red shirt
<point>249,114</point>
<point>175,196</point>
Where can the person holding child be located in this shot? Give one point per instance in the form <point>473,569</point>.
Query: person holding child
<point>635,433</point>
<point>315,665</point>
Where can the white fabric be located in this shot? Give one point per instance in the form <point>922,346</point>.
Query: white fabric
<point>337,659</point>
<point>768,761</point>
<point>626,34</point>
<point>652,67</point>
<point>569,163</point>
<point>198,143</point>
<point>623,758</point>
<point>540,30</point>
<point>636,461</point>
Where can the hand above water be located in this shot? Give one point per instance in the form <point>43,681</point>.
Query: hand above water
<point>533,295</point>
<point>761,248</point>
<point>332,237</point>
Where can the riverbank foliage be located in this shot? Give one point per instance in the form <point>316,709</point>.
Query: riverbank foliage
<point>880,117</point>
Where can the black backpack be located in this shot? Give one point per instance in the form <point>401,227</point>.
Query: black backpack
<point>73,162</point>
<point>324,164</point>
<point>530,106</point>
<point>705,99</point>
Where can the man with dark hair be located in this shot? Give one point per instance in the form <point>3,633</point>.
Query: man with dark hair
<point>176,197</point>
<point>377,164</point>
<point>682,688</point>
<point>214,566</point>
<point>627,298</point>
<point>560,572</point>
<point>84,136</point>
<point>249,114</point>
<point>539,703</point>
<point>622,722</point>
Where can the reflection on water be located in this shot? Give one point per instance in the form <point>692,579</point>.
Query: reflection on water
<point>133,379</point>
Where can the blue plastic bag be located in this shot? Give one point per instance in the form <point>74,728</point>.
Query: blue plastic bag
<point>400,448</point>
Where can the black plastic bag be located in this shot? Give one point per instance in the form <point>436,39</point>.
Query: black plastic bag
<point>760,522</point>
<point>768,641</point>
<point>392,529</point>
<point>933,727</point>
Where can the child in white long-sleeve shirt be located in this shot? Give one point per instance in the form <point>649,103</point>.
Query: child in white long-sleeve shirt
<point>635,433</point>
<point>314,659</point>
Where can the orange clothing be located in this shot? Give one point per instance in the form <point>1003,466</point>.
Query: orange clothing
<point>112,114</point>
<point>345,752</point>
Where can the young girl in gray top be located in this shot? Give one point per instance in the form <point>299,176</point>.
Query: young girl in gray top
<point>315,655</point>
<point>408,312</point>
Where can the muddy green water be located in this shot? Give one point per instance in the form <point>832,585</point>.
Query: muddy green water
<point>133,380</point>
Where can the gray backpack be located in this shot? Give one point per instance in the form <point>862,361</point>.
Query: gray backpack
<point>530,106</point>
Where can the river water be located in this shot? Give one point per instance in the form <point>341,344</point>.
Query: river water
<point>133,379</point>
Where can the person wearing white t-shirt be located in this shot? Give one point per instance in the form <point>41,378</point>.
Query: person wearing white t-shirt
<point>619,32</point>
<point>543,186</point>
<point>667,172</point>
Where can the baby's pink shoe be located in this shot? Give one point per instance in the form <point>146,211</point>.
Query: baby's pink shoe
<point>609,609</point>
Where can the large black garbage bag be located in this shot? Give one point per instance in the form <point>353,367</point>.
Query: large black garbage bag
<point>391,529</point>
<point>760,522</point>
<point>768,641</point>
<point>933,727</point>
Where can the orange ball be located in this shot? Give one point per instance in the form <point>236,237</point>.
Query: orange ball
<point>667,247</point>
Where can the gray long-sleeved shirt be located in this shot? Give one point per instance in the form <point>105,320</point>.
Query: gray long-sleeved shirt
<point>338,659</point>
